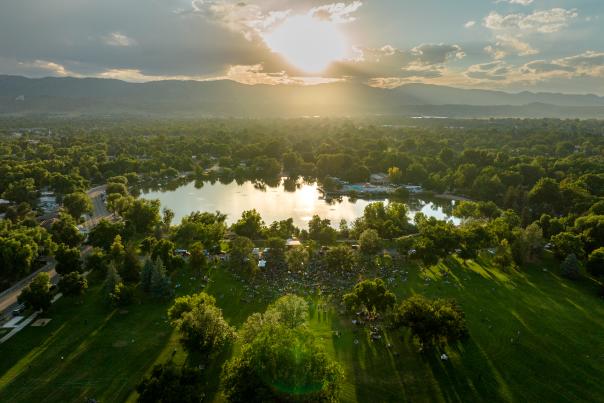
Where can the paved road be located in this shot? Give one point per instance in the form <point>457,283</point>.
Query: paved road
<point>99,210</point>
<point>8,298</point>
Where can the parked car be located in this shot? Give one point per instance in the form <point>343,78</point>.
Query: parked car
<point>19,310</point>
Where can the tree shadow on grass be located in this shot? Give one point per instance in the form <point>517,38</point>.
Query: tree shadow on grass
<point>468,375</point>
<point>211,370</point>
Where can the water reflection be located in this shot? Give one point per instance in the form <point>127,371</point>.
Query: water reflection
<point>278,201</point>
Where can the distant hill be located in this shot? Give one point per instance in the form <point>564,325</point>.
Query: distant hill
<point>93,96</point>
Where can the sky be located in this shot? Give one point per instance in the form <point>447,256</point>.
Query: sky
<point>510,45</point>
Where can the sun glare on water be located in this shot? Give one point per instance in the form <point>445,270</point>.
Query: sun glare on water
<point>308,43</point>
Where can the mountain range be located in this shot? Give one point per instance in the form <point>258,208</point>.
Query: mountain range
<point>225,98</point>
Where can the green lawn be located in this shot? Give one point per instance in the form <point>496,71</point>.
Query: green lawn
<point>558,354</point>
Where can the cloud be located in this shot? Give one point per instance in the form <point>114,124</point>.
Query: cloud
<point>493,71</point>
<point>546,21</point>
<point>255,74</point>
<point>118,39</point>
<point>521,2</point>
<point>48,68</point>
<point>336,12</point>
<point>390,67</point>
<point>245,18</point>
<point>509,44</point>
<point>430,54</point>
<point>495,52</point>
<point>469,24</point>
<point>587,64</point>
<point>138,76</point>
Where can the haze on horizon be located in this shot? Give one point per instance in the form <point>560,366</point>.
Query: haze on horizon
<point>511,45</point>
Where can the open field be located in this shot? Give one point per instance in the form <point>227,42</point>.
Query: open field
<point>533,337</point>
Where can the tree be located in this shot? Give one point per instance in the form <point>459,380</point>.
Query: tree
<point>164,249</point>
<point>146,274</point>
<point>297,259</point>
<point>22,191</point>
<point>442,237</point>
<point>206,228</point>
<point>122,295</point>
<point>282,365</point>
<point>37,294</point>
<point>416,173</point>
<point>591,229</point>
<point>390,221</point>
<point>431,321</point>
<point>186,304</point>
<point>276,252</point>
<point>77,203</point>
<point>73,284</point>
<point>112,286</point>
<point>370,242</point>
<point>291,162</point>
<point>117,188</point>
<point>204,330</point>
<point>131,267</point>
<point>250,225</point>
<point>570,267</point>
<point>64,230</point>
<point>545,196</point>
<point>370,296</point>
<point>425,251</point>
<point>167,217</point>
<point>241,254</point>
<point>320,230</point>
<point>503,256</point>
<point>567,243</point>
<point>19,247</point>
<point>198,260</point>
<point>160,284</point>
<point>340,257</point>
<point>291,310</point>
<point>283,229</point>
<point>474,236</point>
<point>395,175</point>
<point>117,251</point>
<point>595,262</point>
<point>103,234</point>
<point>96,261</point>
<point>169,383</point>
<point>142,216</point>
<point>68,259</point>
<point>528,243</point>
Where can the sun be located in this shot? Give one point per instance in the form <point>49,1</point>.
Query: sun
<point>308,43</point>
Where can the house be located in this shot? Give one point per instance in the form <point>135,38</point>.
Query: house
<point>379,179</point>
<point>413,188</point>
<point>292,243</point>
<point>182,252</point>
<point>48,202</point>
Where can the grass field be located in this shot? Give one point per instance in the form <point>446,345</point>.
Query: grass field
<point>534,337</point>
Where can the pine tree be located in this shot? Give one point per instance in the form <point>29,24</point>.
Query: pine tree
<point>146,274</point>
<point>161,286</point>
<point>569,268</point>
<point>112,281</point>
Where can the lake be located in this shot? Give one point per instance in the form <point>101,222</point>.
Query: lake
<point>275,203</point>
